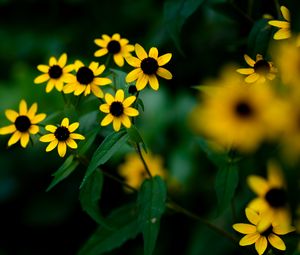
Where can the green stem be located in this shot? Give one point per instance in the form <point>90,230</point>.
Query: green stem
<point>139,150</point>
<point>277,5</point>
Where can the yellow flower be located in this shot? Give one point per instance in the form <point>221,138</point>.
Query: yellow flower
<point>285,31</point>
<point>56,73</point>
<point>62,136</point>
<point>260,70</point>
<point>147,67</point>
<point>238,116</point>
<point>114,45</point>
<point>118,110</point>
<point>271,194</point>
<point>261,237</point>
<point>134,172</point>
<point>24,123</point>
<point>87,80</point>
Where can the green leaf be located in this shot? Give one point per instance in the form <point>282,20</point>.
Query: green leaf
<point>90,195</point>
<point>64,171</point>
<point>141,104</point>
<point>176,12</point>
<point>135,137</point>
<point>87,143</point>
<point>126,227</point>
<point>105,151</point>
<point>259,38</point>
<point>151,201</point>
<point>119,78</point>
<point>225,184</point>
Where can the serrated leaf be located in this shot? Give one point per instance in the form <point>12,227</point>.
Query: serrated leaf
<point>151,203</point>
<point>126,227</point>
<point>90,195</point>
<point>225,184</point>
<point>87,143</point>
<point>111,144</point>
<point>135,137</point>
<point>64,171</point>
<point>176,12</point>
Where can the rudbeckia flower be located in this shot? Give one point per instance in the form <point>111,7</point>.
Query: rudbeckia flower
<point>262,236</point>
<point>260,70</point>
<point>87,80</point>
<point>118,110</point>
<point>147,67</point>
<point>24,123</point>
<point>133,170</point>
<point>285,31</point>
<point>271,194</point>
<point>114,45</point>
<point>62,136</point>
<point>55,73</point>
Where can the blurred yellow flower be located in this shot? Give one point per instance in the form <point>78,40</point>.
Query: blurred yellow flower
<point>261,237</point>
<point>87,80</point>
<point>260,70</point>
<point>114,45</point>
<point>147,67</point>
<point>134,172</point>
<point>284,31</point>
<point>271,194</point>
<point>56,73</point>
<point>24,123</point>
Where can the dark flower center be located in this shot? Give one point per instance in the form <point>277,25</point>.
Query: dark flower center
<point>62,133</point>
<point>22,123</point>
<point>276,197</point>
<point>149,65</point>
<point>55,71</point>
<point>85,75</point>
<point>132,89</point>
<point>262,67</point>
<point>268,231</point>
<point>243,109</point>
<point>116,109</point>
<point>114,47</point>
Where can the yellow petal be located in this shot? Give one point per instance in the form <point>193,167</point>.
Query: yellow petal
<point>164,59</point>
<point>61,149</point>
<point>41,78</point>
<point>126,121</point>
<point>14,138</point>
<point>102,81</point>
<point>128,101</point>
<point>153,53</point>
<point>11,115</point>
<point>252,78</point>
<point>50,86</point>
<point>97,91</point>
<point>52,61</point>
<point>38,118</point>
<point>43,68</point>
<point>153,82</point>
<point>99,70</point>
<point>24,139</point>
<point>134,75</point>
<point>77,136</point>
<point>62,60</point>
<point>249,239</point>
<point>79,89</point>
<point>258,204</point>
<point>34,129</point>
<point>261,245</point>
<point>258,184</point>
<point>59,85</point>
<point>140,52</point>
<point>65,122</point>
<point>117,124</point>
<point>104,108</point>
<point>32,111</point>
<point>47,138</point>
<point>68,68</point>
<point>265,221</point>
<point>280,24</point>
<point>285,13</point>
<point>109,98</point>
<point>100,43</point>
<point>252,216</point>
<point>142,82</point>
<point>116,37</point>
<point>131,111</point>
<point>119,95</point>
<point>276,242</point>
<point>249,60</point>
<point>78,64</point>
<point>283,229</point>
<point>8,129</point>
<point>119,60</point>
<point>52,145</point>
<point>133,61</point>
<point>245,70</point>
<point>23,107</point>
<point>244,228</point>
<point>51,128</point>
<point>275,175</point>
<point>73,127</point>
<point>93,66</point>
<point>282,34</point>
<point>164,73</point>
<point>72,144</point>
<point>101,52</point>
<point>107,120</point>
<point>106,38</point>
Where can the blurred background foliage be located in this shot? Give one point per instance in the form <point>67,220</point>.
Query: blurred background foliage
<point>210,34</point>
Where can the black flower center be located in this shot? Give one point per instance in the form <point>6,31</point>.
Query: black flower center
<point>22,123</point>
<point>149,65</point>
<point>114,47</point>
<point>132,89</point>
<point>116,109</point>
<point>62,133</point>
<point>55,71</point>
<point>276,197</point>
<point>243,109</point>
<point>85,75</point>
<point>262,67</point>
<point>268,231</point>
